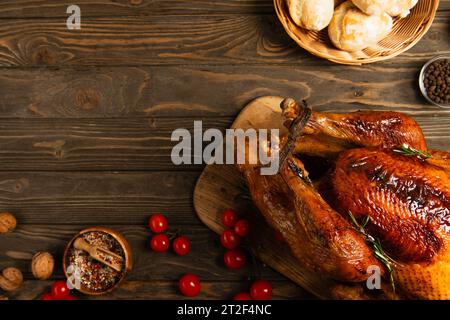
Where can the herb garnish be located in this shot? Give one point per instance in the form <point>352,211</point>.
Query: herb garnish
<point>407,150</point>
<point>376,245</point>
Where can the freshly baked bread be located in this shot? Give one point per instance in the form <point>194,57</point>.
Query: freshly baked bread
<point>392,7</point>
<point>374,6</point>
<point>401,8</point>
<point>337,2</point>
<point>352,30</point>
<point>311,14</point>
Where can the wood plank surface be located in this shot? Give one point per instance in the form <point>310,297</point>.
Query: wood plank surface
<point>169,40</point>
<point>144,290</point>
<point>205,258</point>
<point>154,275</point>
<point>93,8</point>
<point>125,144</point>
<point>86,118</point>
<point>136,92</point>
<point>98,198</point>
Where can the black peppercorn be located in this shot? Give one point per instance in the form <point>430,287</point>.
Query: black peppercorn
<point>437,80</point>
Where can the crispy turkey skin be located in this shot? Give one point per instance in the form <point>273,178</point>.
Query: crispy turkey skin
<point>406,197</point>
<point>408,201</point>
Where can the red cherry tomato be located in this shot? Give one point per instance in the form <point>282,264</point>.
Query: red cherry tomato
<point>229,218</point>
<point>157,223</point>
<point>181,245</point>
<point>230,239</point>
<point>160,243</point>
<point>47,296</point>
<point>235,259</point>
<point>60,291</point>
<point>70,297</point>
<point>242,227</point>
<point>261,290</point>
<point>242,296</point>
<point>189,285</point>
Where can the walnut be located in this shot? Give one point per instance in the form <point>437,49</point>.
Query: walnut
<point>11,279</point>
<point>7,222</point>
<point>42,265</point>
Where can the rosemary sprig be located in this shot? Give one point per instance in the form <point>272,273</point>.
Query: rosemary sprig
<point>376,245</point>
<point>407,150</point>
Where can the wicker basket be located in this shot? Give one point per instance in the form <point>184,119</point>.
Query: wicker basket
<point>405,34</point>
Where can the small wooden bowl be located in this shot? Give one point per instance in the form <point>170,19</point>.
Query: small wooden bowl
<point>127,253</point>
<point>405,33</point>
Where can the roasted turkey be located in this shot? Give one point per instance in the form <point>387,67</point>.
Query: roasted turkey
<point>339,172</point>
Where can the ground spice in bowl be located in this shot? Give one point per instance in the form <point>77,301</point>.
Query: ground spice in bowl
<point>435,81</point>
<point>94,275</point>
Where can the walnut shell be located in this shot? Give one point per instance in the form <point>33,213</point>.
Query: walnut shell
<point>7,222</point>
<point>11,279</point>
<point>42,265</point>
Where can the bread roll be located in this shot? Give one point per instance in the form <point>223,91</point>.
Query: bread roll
<point>311,14</point>
<point>352,30</point>
<point>401,8</point>
<point>374,6</point>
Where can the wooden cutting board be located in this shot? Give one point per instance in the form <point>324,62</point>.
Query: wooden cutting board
<point>221,186</point>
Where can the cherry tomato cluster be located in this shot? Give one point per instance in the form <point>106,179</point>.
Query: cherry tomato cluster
<point>234,257</point>
<point>59,291</point>
<point>160,241</point>
<point>259,290</point>
<point>189,284</point>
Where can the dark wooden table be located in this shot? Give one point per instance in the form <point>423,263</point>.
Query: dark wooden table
<point>86,118</point>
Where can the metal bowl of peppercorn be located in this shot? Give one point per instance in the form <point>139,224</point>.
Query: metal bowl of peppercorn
<point>87,274</point>
<point>434,81</point>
